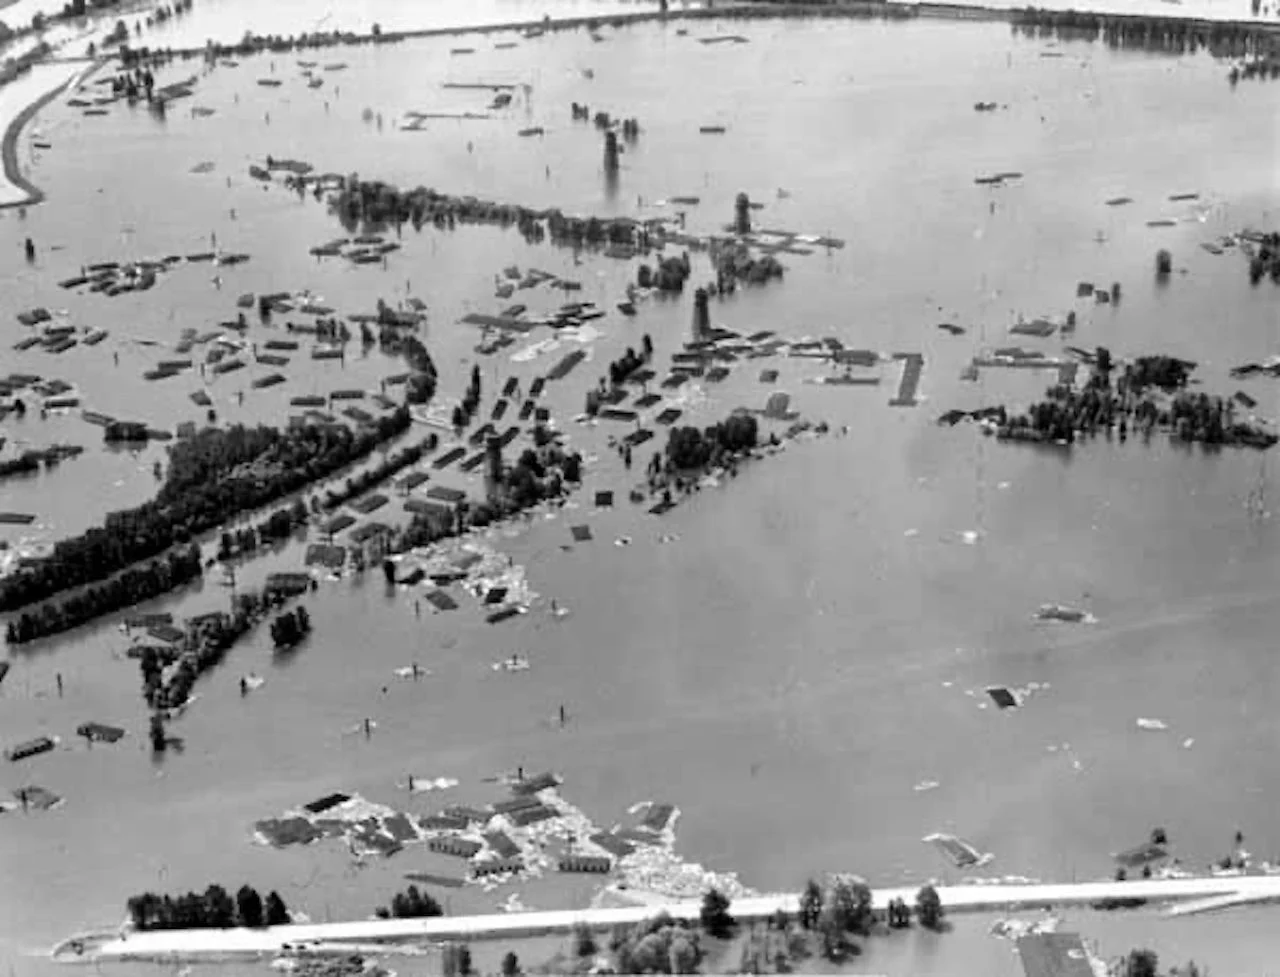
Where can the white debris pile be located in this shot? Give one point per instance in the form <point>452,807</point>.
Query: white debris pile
<point>425,785</point>
<point>660,870</point>
<point>1015,929</point>
<point>482,569</point>
<point>514,905</point>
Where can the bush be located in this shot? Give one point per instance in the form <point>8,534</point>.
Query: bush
<point>929,908</point>
<point>715,914</point>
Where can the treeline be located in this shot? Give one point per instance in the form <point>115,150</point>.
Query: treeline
<point>372,205</point>
<point>135,585</point>
<point>206,642</point>
<point>279,525</point>
<point>1123,403</point>
<point>31,460</point>
<point>118,432</point>
<point>211,478</point>
<point>365,480</point>
<point>669,276</point>
<point>1167,34</point>
<point>421,385</point>
<point>410,904</point>
<point>1267,259</point>
<point>538,475</point>
<point>212,909</point>
<point>688,448</point>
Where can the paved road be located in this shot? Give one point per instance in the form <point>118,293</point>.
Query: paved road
<point>1212,892</point>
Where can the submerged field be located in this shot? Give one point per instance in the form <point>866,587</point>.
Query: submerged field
<point>784,657</point>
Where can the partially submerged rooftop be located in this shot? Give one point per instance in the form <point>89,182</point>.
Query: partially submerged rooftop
<point>1054,955</point>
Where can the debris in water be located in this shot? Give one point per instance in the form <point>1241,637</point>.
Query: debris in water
<point>1152,724</point>
<point>622,541</point>
<point>925,785</point>
<point>1003,697</point>
<point>513,664</point>
<point>412,671</point>
<point>422,785</point>
<point>961,853</point>
<point>1060,612</point>
<point>1188,743</point>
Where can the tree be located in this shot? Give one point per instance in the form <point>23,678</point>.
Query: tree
<point>832,929</point>
<point>158,739</point>
<point>584,942</point>
<point>929,907</point>
<point>1141,963</point>
<point>810,905</point>
<point>277,913</point>
<point>249,906</point>
<point>864,916</point>
<point>685,956</point>
<point>715,914</point>
<point>844,905</point>
<point>219,908</point>
<point>510,965</point>
<point>649,955</point>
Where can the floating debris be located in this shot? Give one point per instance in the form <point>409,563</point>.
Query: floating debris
<point>1060,612</point>
<point>961,853</point>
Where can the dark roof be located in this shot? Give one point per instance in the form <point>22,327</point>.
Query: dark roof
<point>1054,955</point>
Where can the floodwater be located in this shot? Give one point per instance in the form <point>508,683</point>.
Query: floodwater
<point>803,651</point>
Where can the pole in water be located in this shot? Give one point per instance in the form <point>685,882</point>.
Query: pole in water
<point>368,728</point>
<point>562,715</point>
<point>59,685</point>
<point>411,783</point>
<point>31,249</point>
<point>520,773</point>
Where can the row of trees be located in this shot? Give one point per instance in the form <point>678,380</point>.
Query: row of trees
<point>465,411</point>
<point>361,482</point>
<point>30,461</point>
<point>213,909</point>
<point>279,525</point>
<point>421,385</point>
<point>1127,401</point>
<point>688,448</point>
<point>669,276</point>
<point>371,205</point>
<point>135,585</point>
<point>1168,34</point>
<point>410,904</point>
<point>206,642</point>
<point>736,263</point>
<point>539,474</point>
<point>211,478</point>
<point>1266,260</point>
<point>656,946</point>
<point>290,628</point>
<point>1145,963</point>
